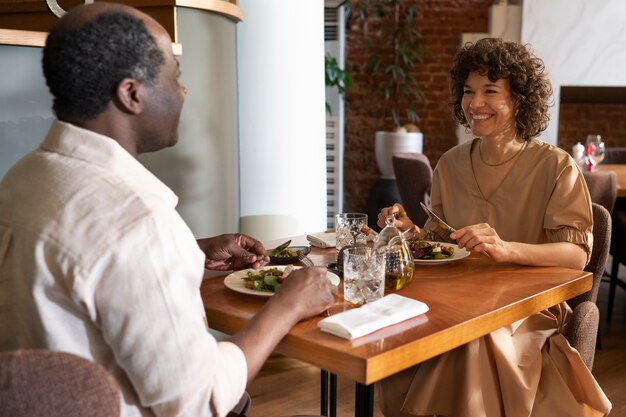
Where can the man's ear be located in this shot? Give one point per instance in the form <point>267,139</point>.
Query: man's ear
<point>127,97</point>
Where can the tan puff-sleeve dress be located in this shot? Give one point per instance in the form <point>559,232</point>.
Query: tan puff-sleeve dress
<point>526,369</point>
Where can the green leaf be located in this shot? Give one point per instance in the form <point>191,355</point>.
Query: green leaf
<point>393,42</point>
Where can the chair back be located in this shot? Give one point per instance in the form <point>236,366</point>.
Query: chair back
<point>599,253</point>
<point>602,187</point>
<point>614,155</point>
<point>36,382</point>
<point>266,227</point>
<point>414,176</point>
<point>582,330</point>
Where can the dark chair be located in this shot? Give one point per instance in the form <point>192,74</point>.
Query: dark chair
<point>45,383</point>
<point>618,251</point>
<point>582,329</point>
<point>414,176</point>
<point>602,187</point>
<point>616,155</point>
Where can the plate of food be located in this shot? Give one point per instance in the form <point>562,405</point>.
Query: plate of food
<point>285,254</point>
<point>265,281</point>
<point>435,253</point>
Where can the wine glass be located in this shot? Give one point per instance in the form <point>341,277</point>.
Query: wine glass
<point>595,148</point>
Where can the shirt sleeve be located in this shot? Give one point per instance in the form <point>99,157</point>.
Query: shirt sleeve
<point>150,312</point>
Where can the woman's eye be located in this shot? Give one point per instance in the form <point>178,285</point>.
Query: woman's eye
<point>467,92</point>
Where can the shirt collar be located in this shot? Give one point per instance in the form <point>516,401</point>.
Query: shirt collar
<point>75,142</point>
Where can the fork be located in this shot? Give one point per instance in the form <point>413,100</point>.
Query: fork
<point>306,261</point>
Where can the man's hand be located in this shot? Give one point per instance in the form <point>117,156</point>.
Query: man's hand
<point>232,251</point>
<point>308,291</point>
<point>305,292</point>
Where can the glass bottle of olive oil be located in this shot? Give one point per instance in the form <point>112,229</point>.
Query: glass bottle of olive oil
<point>398,257</point>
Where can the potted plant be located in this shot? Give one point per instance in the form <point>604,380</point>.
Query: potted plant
<point>336,77</point>
<point>394,46</point>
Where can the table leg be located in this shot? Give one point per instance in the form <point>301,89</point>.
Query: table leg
<point>333,395</point>
<point>324,393</point>
<point>364,400</point>
<point>324,389</point>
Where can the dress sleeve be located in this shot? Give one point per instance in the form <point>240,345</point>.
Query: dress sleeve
<point>150,313</point>
<point>568,215</point>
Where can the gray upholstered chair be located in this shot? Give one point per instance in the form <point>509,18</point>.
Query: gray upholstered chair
<point>414,176</point>
<point>603,190</point>
<point>618,251</point>
<point>582,329</point>
<point>616,155</point>
<point>45,383</point>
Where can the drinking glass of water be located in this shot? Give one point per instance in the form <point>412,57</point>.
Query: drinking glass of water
<point>363,275</point>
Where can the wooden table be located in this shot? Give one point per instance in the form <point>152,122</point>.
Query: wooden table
<point>468,298</point>
<point>620,170</point>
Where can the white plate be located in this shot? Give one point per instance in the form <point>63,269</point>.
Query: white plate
<point>458,254</point>
<point>235,282</point>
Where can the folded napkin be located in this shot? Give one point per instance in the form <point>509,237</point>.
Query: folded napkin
<point>390,309</point>
<point>322,240</point>
<point>328,239</point>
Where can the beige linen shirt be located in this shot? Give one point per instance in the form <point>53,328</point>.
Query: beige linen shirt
<point>95,260</point>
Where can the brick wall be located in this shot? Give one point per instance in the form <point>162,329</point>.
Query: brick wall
<point>441,22</point>
<point>577,120</point>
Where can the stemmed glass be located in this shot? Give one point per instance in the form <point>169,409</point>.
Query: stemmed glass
<point>595,148</point>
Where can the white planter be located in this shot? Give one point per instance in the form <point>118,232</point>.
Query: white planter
<point>390,143</point>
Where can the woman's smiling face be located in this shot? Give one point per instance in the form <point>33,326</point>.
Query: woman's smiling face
<point>488,106</point>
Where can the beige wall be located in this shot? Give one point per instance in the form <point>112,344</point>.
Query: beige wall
<point>202,169</point>
<point>25,103</point>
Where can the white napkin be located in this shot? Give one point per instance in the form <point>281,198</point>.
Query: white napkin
<point>322,240</point>
<point>328,239</point>
<point>390,309</point>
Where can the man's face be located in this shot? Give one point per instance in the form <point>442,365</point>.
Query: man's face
<point>164,99</point>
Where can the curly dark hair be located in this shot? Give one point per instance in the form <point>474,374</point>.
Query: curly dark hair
<point>84,66</point>
<point>497,59</point>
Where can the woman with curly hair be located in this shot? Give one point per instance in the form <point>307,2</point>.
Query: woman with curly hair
<point>516,199</point>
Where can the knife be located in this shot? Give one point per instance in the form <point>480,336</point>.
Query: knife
<point>433,216</point>
<point>442,224</point>
<point>278,249</point>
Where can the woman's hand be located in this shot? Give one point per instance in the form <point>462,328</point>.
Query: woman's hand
<point>232,251</point>
<point>402,221</point>
<point>483,238</point>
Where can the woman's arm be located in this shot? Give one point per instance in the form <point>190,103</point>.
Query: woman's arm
<point>483,238</point>
<point>565,254</point>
